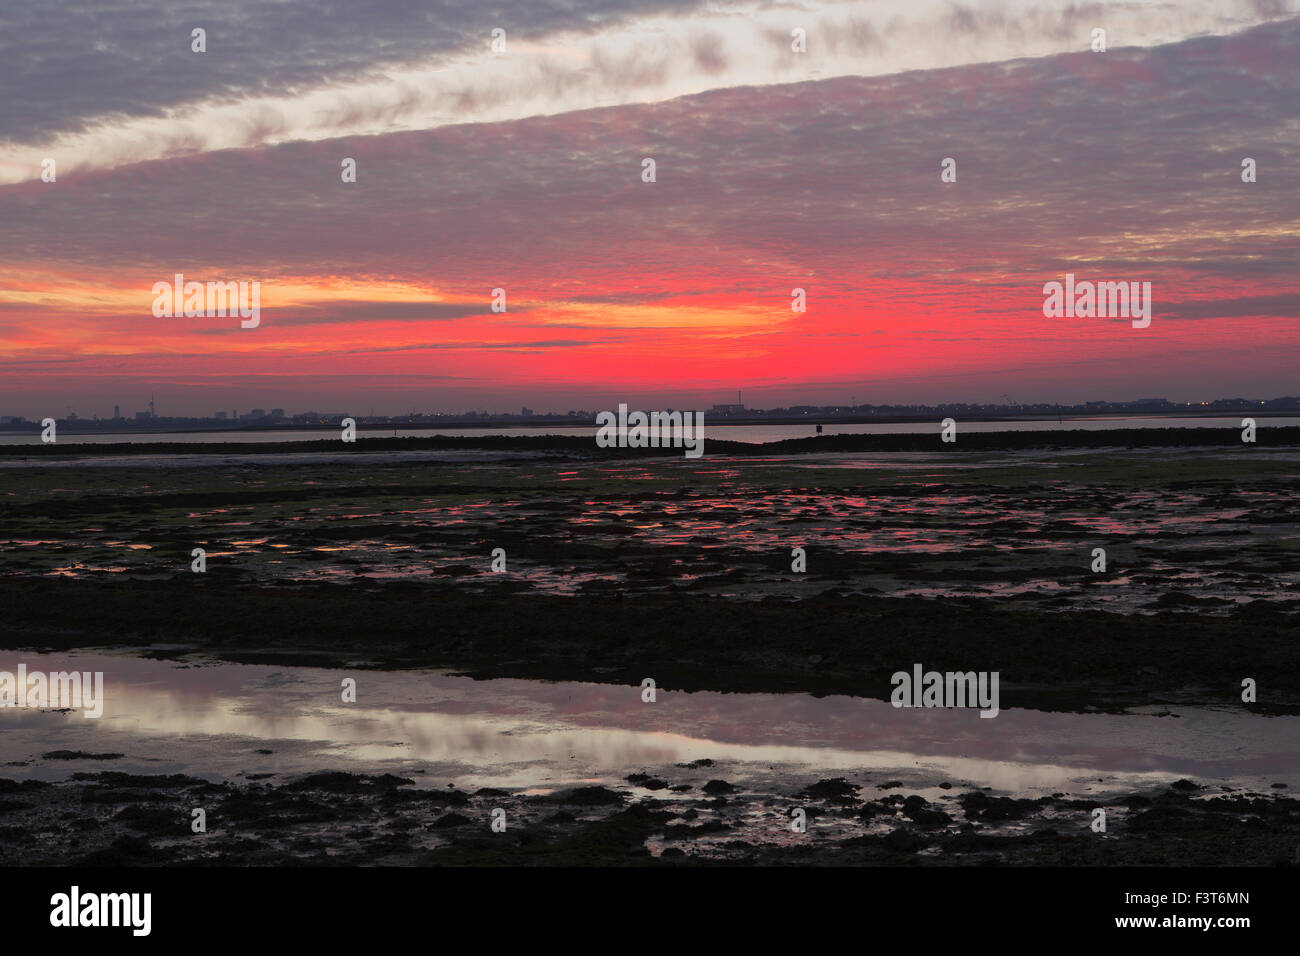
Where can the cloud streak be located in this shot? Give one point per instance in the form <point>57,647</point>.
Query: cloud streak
<point>564,57</point>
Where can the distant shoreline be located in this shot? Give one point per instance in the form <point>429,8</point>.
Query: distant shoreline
<point>71,428</point>
<point>1283,437</point>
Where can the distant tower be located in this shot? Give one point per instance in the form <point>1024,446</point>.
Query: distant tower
<point>117,412</point>
<point>153,412</point>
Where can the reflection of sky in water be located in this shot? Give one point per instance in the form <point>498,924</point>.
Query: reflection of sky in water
<point>210,719</point>
<point>1157,540</point>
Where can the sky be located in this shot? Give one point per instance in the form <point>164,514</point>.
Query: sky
<point>521,168</point>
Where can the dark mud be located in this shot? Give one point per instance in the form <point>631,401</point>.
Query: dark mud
<point>341,819</point>
<point>831,644</point>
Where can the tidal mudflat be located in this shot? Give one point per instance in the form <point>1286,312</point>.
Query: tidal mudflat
<point>774,684</point>
<point>1210,529</point>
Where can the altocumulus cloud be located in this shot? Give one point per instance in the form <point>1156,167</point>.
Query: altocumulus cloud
<point>108,84</point>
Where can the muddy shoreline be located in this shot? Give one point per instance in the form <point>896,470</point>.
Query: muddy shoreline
<point>342,819</point>
<point>851,645</point>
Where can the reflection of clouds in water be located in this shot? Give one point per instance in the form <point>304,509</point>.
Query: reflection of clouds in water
<point>211,719</point>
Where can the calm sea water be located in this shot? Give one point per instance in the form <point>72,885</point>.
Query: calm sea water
<point>756,434</point>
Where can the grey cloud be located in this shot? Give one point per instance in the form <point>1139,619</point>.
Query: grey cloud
<point>64,64</point>
<point>353,312</point>
<point>963,20</point>
<point>1285,306</point>
<point>858,36</point>
<point>707,49</point>
<point>635,69</point>
<point>529,347</point>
